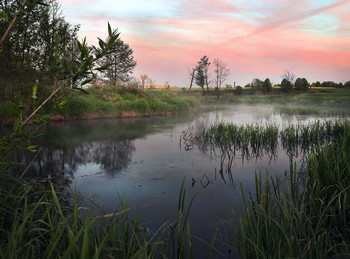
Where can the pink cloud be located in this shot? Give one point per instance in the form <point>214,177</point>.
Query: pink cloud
<point>165,47</point>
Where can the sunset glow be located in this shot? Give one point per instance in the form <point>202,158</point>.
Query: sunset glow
<point>257,39</point>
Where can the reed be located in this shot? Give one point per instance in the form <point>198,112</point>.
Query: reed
<point>309,216</point>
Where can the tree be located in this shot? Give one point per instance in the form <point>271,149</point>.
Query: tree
<point>267,86</point>
<point>238,90</point>
<point>286,85</point>
<point>202,73</point>
<point>328,84</point>
<point>121,63</point>
<point>191,74</point>
<point>222,73</point>
<point>144,79</point>
<point>256,84</point>
<point>30,45</point>
<point>289,76</point>
<point>301,84</point>
<point>347,84</point>
<point>318,84</point>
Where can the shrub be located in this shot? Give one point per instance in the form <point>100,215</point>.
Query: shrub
<point>301,84</point>
<point>239,90</point>
<point>78,105</point>
<point>286,86</point>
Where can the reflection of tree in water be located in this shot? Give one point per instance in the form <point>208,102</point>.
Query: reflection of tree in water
<point>112,155</point>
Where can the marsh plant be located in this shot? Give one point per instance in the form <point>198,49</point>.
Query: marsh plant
<point>228,141</point>
<point>308,217</point>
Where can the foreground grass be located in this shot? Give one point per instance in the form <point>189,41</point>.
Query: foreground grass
<point>37,222</point>
<point>306,218</point>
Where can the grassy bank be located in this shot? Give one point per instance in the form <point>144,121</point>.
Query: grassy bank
<point>105,102</point>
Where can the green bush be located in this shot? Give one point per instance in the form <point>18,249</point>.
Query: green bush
<point>105,107</point>
<point>141,105</point>
<point>79,105</point>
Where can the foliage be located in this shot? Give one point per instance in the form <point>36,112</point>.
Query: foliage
<point>256,84</point>
<point>301,84</point>
<point>286,86</point>
<point>120,63</point>
<point>267,86</point>
<point>347,84</point>
<point>308,218</point>
<point>238,90</point>
<point>329,84</point>
<point>201,75</point>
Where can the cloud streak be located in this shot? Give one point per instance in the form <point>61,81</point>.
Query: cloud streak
<point>255,38</point>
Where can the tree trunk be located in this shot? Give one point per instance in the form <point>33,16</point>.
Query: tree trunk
<point>192,77</point>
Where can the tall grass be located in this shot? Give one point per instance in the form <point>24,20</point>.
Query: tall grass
<point>309,216</point>
<point>37,223</point>
<point>37,220</point>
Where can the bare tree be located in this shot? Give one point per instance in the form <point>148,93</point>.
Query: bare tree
<point>143,78</point>
<point>222,73</point>
<point>289,76</point>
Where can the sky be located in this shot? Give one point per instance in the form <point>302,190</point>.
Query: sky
<point>255,38</point>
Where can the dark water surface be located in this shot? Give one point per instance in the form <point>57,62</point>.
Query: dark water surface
<point>145,161</point>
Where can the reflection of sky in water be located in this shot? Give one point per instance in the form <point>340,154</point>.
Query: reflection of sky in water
<point>149,166</point>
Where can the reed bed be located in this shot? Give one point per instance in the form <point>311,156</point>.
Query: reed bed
<point>308,218</point>
<point>229,141</point>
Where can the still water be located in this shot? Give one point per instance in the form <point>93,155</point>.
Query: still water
<point>145,160</point>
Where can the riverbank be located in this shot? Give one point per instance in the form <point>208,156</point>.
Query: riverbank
<point>104,102</point>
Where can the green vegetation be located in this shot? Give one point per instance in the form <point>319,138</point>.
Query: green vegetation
<point>36,222</point>
<point>112,101</point>
<point>308,218</point>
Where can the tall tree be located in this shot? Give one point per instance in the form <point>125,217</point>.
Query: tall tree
<point>301,84</point>
<point>29,48</point>
<point>121,63</point>
<point>267,86</point>
<point>222,73</point>
<point>202,73</point>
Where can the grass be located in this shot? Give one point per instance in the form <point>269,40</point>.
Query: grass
<point>119,101</point>
<point>308,217</point>
<point>36,222</point>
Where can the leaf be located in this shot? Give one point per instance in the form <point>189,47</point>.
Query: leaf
<point>101,43</point>
<point>61,104</point>
<point>16,127</point>
<point>81,90</point>
<point>57,42</point>
<point>46,117</point>
<point>31,148</point>
<point>109,30</point>
<point>104,67</point>
<point>4,16</point>
<point>87,81</point>
<point>35,88</point>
